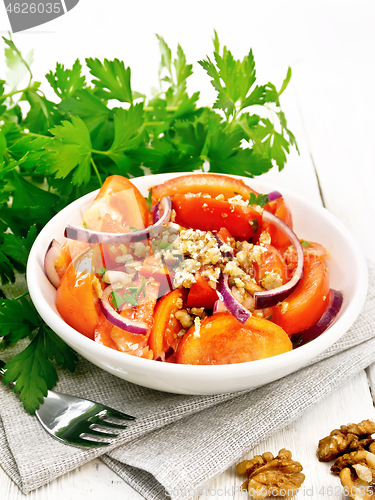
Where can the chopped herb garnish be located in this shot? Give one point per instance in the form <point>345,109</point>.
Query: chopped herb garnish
<point>149,199</point>
<point>118,299</point>
<point>101,271</point>
<point>260,199</point>
<point>305,244</point>
<point>255,225</point>
<point>163,245</point>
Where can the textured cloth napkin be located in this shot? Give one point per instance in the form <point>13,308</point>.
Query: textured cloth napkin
<point>178,442</point>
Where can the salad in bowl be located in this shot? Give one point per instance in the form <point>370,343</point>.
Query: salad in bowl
<point>198,283</point>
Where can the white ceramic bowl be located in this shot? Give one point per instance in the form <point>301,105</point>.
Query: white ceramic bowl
<point>348,273</point>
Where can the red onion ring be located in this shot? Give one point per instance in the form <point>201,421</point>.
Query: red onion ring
<point>219,306</point>
<point>335,302</point>
<point>270,298</point>
<point>274,195</point>
<point>156,213</point>
<point>52,253</point>
<point>95,237</point>
<point>234,307</point>
<point>116,319</point>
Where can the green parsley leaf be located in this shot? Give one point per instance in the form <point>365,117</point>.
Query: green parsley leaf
<point>112,79</point>
<point>66,81</point>
<point>286,80</point>
<point>2,99</point>
<point>32,372</point>
<point>87,106</point>
<point>17,64</point>
<point>17,249</point>
<point>18,318</point>
<point>58,351</point>
<point>305,244</point>
<point>70,150</point>
<point>128,129</point>
<point>260,199</point>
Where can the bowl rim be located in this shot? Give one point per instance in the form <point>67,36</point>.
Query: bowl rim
<point>311,350</point>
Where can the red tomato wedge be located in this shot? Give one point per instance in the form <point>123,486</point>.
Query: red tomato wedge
<point>224,235</point>
<point>209,214</point>
<point>132,343</point>
<point>221,339</point>
<point>271,261</point>
<point>309,248</point>
<point>118,207</point>
<point>69,251</point>
<point>212,184</point>
<point>201,294</point>
<point>166,327</point>
<point>307,303</point>
<point>102,333</point>
<point>281,210</point>
<point>159,272</point>
<point>76,298</point>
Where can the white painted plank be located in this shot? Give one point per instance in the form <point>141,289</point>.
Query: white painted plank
<point>340,123</point>
<point>351,403</point>
<point>93,480</point>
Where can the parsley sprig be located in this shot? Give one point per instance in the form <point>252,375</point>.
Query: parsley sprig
<point>55,151</point>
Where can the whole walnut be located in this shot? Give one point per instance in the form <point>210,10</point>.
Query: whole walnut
<point>272,476</point>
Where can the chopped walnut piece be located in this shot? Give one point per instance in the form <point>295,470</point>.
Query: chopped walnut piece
<point>272,476</point>
<point>357,474</point>
<point>348,438</point>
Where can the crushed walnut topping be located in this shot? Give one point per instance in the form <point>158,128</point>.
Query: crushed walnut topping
<point>272,476</point>
<point>271,280</point>
<point>184,318</point>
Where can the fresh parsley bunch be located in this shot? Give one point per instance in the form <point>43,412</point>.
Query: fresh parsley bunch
<point>53,152</point>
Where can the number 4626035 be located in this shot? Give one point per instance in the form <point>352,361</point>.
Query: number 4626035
<point>34,8</point>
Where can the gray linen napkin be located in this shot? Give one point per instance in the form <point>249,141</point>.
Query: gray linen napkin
<point>179,442</point>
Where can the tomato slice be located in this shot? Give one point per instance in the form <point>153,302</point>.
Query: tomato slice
<point>224,235</point>
<point>271,263</point>
<point>166,327</point>
<point>102,333</point>
<point>132,343</point>
<point>281,210</point>
<point>76,298</point>
<point>69,251</point>
<point>159,272</point>
<point>212,184</point>
<point>201,294</point>
<point>223,340</point>
<point>307,303</point>
<point>209,214</point>
<point>309,248</point>
<point>118,207</point>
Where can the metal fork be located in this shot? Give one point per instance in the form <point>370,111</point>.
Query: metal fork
<point>73,420</point>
